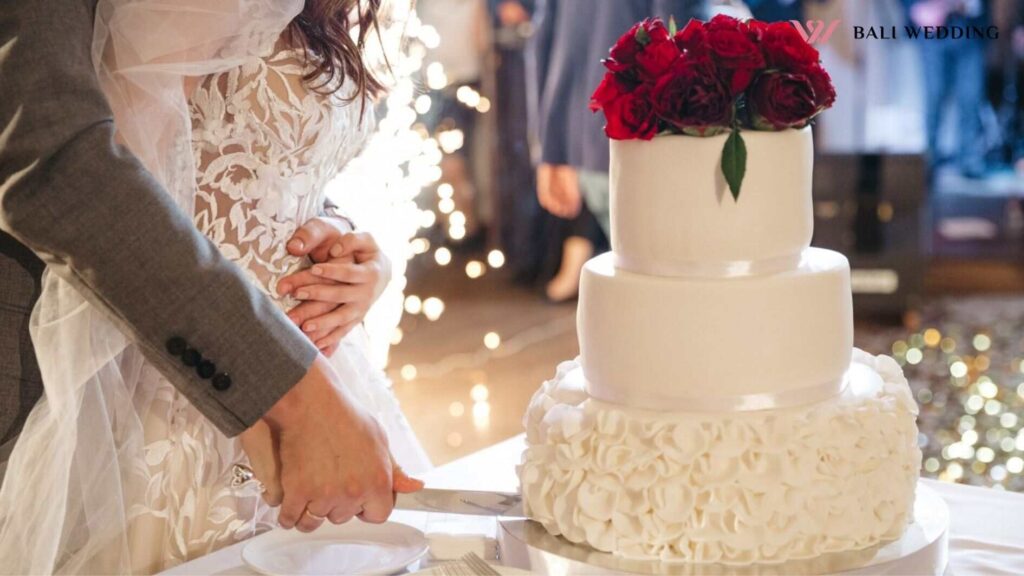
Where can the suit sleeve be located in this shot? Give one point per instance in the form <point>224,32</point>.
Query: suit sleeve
<point>90,210</point>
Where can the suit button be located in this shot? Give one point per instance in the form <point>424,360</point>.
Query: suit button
<point>206,369</point>
<point>191,357</point>
<point>176,345</point>
<point>221,382</point>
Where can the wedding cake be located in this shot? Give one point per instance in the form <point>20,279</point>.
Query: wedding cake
<point>718,412</point>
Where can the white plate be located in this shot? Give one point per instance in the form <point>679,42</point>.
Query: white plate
<point>352,548</point>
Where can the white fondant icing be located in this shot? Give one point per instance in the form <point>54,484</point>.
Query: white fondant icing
<point>667,343</point>
<point>734,488</point>
<point>671,208</point>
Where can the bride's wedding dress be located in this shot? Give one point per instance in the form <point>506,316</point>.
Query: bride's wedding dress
<point>263,147</point>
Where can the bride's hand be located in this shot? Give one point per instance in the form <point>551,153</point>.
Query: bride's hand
<point>258,443</point>
<point>336,294</point>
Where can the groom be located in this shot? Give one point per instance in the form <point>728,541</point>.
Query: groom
<point>71,198</point>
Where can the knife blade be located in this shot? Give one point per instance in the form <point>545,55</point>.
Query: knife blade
<point>472,502</point>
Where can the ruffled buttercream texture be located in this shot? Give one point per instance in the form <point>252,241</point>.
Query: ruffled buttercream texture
<point>737,488</point>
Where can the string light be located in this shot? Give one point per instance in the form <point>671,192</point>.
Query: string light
<point>408,372</point>
<point>443,256</point>
<point>413,304</point>
<point>479,392</point>
<point>433,308</point>
<point>475,269</point>
<point>492,340</point>
<point>495,259</point>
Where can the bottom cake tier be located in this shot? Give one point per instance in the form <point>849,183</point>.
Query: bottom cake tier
<point>737,488</point>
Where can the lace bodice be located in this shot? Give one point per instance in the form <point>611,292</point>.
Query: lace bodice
<point>265,148</point>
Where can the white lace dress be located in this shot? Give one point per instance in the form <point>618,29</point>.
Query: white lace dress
<point>265,147</point>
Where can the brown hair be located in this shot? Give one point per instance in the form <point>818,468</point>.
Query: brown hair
<point>324,29</point>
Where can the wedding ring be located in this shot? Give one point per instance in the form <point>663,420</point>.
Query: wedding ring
<point>314,516</point>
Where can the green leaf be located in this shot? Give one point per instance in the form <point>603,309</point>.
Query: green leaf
<point>734,162</point>
<point>642,37</point>
<point>672,26</point>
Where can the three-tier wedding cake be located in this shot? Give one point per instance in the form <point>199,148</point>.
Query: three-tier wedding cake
<point>718,411</point>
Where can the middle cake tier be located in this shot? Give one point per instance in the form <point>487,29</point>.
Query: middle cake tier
<point>714,344</point>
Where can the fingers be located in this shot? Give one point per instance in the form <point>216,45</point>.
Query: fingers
<point>310,521</point>
<point>333,293</point>
<point>360,245</point>
<point>293,507</point>
<point>347,273</point>
<point>328,345</point>
<point>401,482</point>
<point>377,509</point>
<point>312,235</point>
<point>309,310</point>
<point>343,514</point>
<point>319,328</point>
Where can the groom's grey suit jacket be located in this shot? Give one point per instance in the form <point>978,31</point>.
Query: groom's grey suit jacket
<point>72,198</point>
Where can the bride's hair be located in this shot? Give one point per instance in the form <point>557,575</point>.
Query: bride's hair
<point>325,29</point>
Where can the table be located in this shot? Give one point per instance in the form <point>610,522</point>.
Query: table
<point>986,536</point>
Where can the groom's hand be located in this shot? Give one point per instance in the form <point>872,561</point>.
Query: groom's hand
<point>333,455</point>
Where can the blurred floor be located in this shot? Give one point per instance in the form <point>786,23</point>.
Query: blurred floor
<point>450,358</point>
<point>963,355</point>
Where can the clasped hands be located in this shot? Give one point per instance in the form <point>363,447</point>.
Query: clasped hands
<point>319,455</point>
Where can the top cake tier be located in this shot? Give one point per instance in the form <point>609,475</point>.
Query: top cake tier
<point>673,215</point>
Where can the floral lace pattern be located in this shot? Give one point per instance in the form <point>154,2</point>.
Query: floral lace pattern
<point>739,488</point>
<point>265,147</point>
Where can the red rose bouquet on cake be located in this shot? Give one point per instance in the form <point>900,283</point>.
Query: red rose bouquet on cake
<point>709,78</point>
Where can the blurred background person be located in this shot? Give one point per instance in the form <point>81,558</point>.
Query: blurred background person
<point>519,217</point>
<point>954,66</point>
<point>572,150</point>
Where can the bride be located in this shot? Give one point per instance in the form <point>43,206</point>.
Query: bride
<point>244,110</point>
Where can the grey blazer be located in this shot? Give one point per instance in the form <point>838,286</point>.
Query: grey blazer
<point>88,209</point>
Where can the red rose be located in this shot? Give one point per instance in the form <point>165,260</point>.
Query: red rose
<point>785,48</point>
<point>610,89</point>
<point>692,37</point>
<point>824,91</point>
<point>737,55</point>
<point>782,100</point>
<point>693,99</point>
<point>631,116</point>
<point>756,29</point>
<point>623,56</point>
<point>656,58</point>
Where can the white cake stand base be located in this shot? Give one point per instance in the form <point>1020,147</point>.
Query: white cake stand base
<point>921,551</point>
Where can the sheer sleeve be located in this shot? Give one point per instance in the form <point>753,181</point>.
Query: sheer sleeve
<point>258,134</point>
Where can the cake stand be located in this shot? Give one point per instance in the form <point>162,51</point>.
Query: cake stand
<point>921,551</point>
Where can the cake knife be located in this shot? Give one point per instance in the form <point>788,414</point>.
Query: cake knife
<point>472,502</point>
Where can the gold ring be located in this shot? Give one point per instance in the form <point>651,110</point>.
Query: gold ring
<point>314,516</point>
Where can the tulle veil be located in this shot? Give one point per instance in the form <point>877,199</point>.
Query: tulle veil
<point>63,504</point>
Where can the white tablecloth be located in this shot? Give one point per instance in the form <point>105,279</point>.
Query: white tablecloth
<point>986,536</point>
